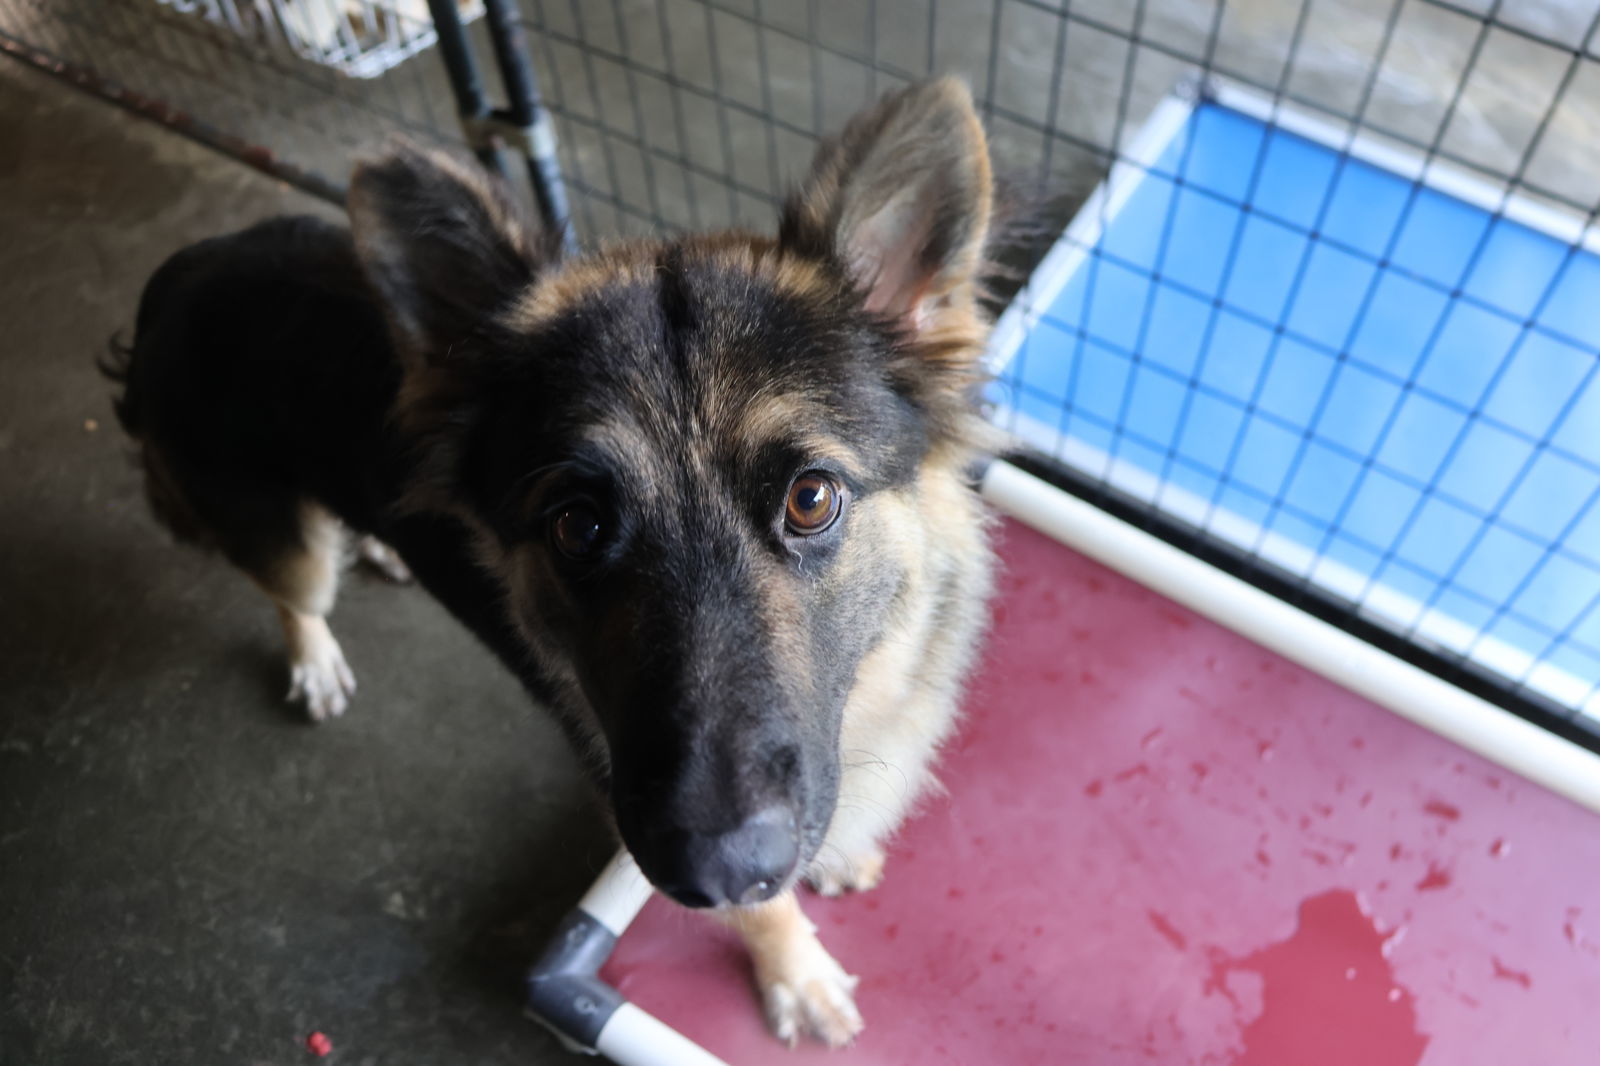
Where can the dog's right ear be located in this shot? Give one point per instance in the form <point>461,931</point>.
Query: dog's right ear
<point>445,244</point>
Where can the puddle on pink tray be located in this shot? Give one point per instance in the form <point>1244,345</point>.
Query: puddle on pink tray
<point>1328,995</point>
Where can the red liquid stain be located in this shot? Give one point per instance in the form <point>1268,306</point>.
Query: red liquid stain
<point>1396,852</point>
<point>1141,770</point>
<point>1094,788</point>
<point>1502,972</point>
<point>1263,858</point>
<point>1357,743</point>
<point>1441,809</point>
<point>1167,930</point>
<point>1312,1014</point>
<point>1437,877</point>
<point>1177,618</point>
<point>891,931</point>
<point>1201,770</point>
<point>1319,857</point>
<point>1499,849</point>
<point>1151,737</point>
<point>1366,798</point>
<point>1264,750</point>
<point>1086,677</point>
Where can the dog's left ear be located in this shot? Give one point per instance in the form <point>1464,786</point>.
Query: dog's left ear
<point>901,200</point>
<point>445,244</point>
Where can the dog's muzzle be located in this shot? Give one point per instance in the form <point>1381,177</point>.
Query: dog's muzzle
<point>747,864</point>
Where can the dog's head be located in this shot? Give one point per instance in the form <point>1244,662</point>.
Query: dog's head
<point>685,461</point>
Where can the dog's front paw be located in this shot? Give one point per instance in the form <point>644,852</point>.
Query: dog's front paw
<point>809,994</point>
<point>850,873</point>
<point>322,680</point>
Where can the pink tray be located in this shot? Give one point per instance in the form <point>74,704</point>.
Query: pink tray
<point>1162,844</point>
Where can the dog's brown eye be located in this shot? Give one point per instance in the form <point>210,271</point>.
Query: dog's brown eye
<point>814,503</point>
<point>576,531</point>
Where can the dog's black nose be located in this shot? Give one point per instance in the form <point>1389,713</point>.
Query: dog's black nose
<point>745,865</point>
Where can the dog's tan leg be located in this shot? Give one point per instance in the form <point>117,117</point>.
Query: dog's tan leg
<point>303,583</point>
<point>318,675</point>
<point>834,875</point>
<point>804,991</point>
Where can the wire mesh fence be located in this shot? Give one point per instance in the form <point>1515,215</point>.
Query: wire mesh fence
<point>1322,302</point>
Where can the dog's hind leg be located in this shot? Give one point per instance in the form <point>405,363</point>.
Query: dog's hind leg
<point>382,558</point>
<point>805,992</point>
<point>302,580</point>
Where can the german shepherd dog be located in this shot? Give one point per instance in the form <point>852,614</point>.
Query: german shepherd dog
<point>710,498</point>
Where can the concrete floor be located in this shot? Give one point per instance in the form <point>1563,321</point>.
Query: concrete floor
<point>189,873</point>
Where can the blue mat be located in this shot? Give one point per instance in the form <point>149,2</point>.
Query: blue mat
<point>1392,378</point>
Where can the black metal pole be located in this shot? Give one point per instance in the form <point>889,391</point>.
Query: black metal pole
<point>527,113</point>
<point>462,69</point>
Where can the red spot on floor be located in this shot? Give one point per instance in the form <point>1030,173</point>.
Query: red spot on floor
<point>1181,619</point>
<point>1151,737</point>
<point>1094,788</point>
<point>1167,930</point>
<point>1263,858</point>
<point>1264,750</point>
<point>1139,770</point>
<point>1441,809</point>
<point>891,930</point>
<point>1499,849</point>
<point>319,1045</point>
<point>1502,972</point>
<point>1312,1012</point>
<point>1201,770</point>
<point>1437,877</point>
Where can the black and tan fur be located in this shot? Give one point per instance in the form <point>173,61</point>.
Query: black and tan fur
<point>758,705</point>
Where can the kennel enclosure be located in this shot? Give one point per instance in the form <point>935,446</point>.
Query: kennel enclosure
<point>1313,305</point>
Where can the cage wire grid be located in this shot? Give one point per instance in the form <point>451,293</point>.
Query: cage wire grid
<point>686,114</point>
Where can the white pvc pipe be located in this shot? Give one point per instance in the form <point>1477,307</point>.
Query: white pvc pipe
<point>633,1038</point>
<point>1407,690</point>
<point>618,894</point>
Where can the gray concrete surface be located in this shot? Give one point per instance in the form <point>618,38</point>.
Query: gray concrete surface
<point>189,873</point>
